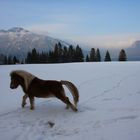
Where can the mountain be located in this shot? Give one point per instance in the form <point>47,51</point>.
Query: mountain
<point>18,41</point>
<point>133,52</point>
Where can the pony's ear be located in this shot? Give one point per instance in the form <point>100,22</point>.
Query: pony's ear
<point>10,74</point>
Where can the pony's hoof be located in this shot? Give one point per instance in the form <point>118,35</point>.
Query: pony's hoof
<point>67,107</point>
<point>32,108</point>
<point>75,109</point>
<point>23,105</point>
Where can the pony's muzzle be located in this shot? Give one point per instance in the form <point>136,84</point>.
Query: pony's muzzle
<point>12,86</point>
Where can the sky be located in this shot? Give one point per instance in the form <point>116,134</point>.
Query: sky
<point>101,23</point>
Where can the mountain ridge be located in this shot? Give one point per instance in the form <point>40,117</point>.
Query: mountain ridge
<point>18,41</point>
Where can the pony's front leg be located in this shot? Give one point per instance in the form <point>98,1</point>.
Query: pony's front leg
<point>31,103</point>
<point>24,100</point>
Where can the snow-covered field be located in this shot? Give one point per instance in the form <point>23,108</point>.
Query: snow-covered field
<point>109,106</point>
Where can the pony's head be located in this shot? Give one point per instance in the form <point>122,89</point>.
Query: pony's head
<point>20,77</point>
<point>15,80</point>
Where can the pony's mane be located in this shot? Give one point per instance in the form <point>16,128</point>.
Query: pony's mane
<point>28,77</point>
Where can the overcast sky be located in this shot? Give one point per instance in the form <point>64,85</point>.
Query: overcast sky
<point>107,23</point>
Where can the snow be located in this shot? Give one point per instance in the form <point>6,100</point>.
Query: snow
<point>109,106</point>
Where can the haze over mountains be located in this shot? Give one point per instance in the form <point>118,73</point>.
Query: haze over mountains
<point>18,41</point>
<point>133,52</point>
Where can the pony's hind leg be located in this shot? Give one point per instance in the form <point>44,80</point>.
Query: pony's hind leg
<point>70,104</point>
<point>24,100</point>
<point>62,96</point>
<point>66,100</point>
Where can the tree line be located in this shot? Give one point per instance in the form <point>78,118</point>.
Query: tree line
<point>63,54</point>
<point>95,56</point>
<point>58,55</point>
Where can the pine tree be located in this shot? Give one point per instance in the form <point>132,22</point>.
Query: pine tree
<point>60,53</point>
<point>65,54</point>
<point>15,60</point>
<point>107,56</point>
<point>79,57</point>
<point>71,54</point>
<point>97,56</point>
<point>51,57</point>
<point>87,58</point>
<point>43,57</point>
<point>34,56</point>
<point>122,55</point>
<point>28,60</point>
<point>92,55</point>
<point>56,54</point>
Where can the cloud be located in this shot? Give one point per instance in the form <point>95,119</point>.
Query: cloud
<point>56,25</point>
<point>52,29</point>
<point>122,40</point>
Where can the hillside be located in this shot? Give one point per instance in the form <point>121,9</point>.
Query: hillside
<point>18,41</point>
<point>109,106</point>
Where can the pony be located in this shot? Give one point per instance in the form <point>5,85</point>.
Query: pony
<point>33,87</point>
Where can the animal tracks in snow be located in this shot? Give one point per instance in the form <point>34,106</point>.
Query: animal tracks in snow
<point>123,118</point>
<point>26,124</point>
<point>105,88</point>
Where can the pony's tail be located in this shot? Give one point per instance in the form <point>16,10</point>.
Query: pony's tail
<point>73,90</point>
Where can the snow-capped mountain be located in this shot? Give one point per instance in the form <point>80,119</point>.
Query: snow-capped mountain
<point>18,41</point>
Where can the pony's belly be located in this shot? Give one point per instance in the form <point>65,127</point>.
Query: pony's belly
<point>44,95</point>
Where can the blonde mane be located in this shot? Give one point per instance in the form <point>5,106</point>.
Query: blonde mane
<point>28,77</point>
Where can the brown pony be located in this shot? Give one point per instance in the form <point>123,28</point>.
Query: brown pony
<point>35,87</point>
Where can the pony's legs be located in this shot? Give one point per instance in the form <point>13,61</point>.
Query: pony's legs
<point>31,103</point>
<point>66,100</point>
<point>69,104</point>
<point>24,100</point>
